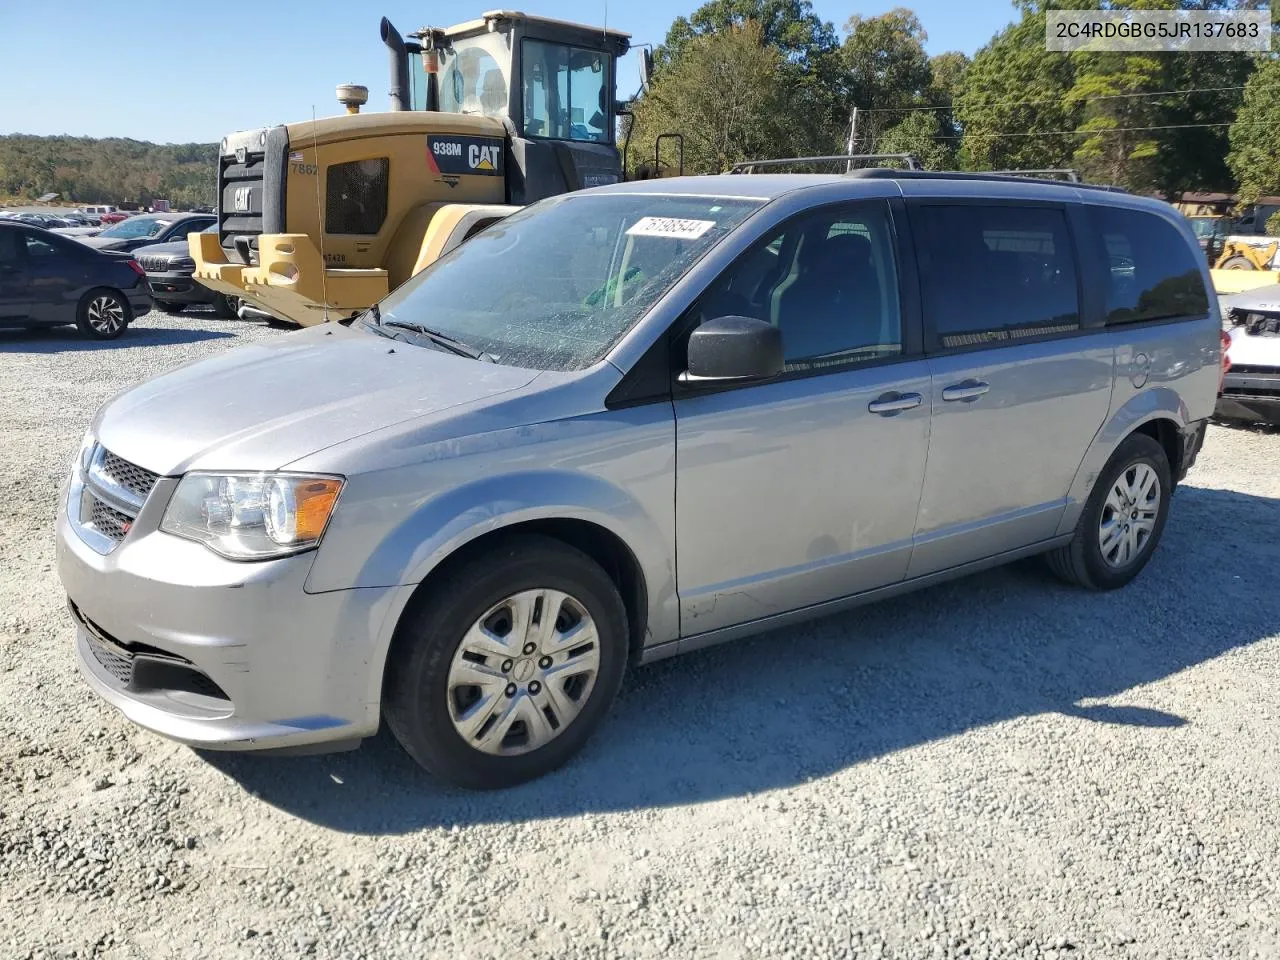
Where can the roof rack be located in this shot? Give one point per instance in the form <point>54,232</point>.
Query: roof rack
<point>987,176</point>
<point>1065,173</point>
<point>752,166</point>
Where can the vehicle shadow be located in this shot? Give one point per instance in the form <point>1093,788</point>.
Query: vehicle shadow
<point>805,702</point>
<point>69,339</point>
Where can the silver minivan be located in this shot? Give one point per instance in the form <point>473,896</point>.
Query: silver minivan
<point>626,423</point>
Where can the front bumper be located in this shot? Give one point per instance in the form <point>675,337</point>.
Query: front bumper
<point>215,653</point>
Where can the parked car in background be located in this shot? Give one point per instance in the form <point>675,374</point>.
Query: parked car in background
<point>48,280</point>
<point>1251,384</point>
<point>114,216</point>
<point>169,268</point>
<point>149,228</point>
<point>462,512</point>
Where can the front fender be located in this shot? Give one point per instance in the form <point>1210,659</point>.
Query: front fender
<point>441,526</point>
<point>1154,404</point>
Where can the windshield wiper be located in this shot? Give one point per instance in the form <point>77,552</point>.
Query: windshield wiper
<point>440,340</point>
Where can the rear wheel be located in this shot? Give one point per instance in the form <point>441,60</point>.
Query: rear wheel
<point>1123,519</point>
<point>503,669</point>
<point>103,314</point>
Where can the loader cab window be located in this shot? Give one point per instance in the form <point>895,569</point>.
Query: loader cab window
<point>473,77</point>
<point>565,92</point>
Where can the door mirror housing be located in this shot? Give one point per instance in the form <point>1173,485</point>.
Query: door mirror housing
<point>734,348</point>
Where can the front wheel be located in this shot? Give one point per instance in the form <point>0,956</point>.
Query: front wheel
<point>501,671</point>
<point>1123,519</point>
<point>103,314</point>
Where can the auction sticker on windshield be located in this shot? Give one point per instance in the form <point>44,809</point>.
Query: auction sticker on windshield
<point>670,227</point>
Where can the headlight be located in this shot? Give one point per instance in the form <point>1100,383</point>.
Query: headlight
<point>252,516</point>
<point>85,455</point>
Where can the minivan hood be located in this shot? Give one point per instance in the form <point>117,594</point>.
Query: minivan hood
<point>262,406</point>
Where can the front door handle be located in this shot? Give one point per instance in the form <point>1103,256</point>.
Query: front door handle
<point>891,403</point>
<point>968,390</point>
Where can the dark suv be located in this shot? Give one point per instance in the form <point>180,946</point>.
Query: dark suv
<point>169,268</point>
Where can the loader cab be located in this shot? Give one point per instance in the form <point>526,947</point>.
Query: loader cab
<point>552,82</point>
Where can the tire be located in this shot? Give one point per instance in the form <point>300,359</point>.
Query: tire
<point>482,736</point>
<point>1086,560</point>
<point>103,314</point>
<point>166,307</point>
<point>224,307</point>
<point>1238,262</point>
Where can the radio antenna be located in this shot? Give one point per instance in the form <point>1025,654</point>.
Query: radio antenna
<point>324,264</point>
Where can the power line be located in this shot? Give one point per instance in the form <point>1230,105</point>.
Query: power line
<point>1090,133</point>
<point>1026,103</point>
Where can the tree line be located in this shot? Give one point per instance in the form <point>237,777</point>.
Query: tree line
<point>755,79</point>
<point>86,170</point>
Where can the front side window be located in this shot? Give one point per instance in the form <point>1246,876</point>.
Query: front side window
<point>1153,273</point>
<point>565,92</point>
<point>554,286</point>
<point>356,196</point>
<point>995,274</point>
<point>827,281</point>
<point>473,77</point>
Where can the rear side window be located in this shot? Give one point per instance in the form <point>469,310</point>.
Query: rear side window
<point>1153,273</point>
<point>40,248</point>
<point>996,274</point>
<point>356,196</point>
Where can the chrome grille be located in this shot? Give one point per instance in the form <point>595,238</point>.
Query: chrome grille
<point>109,521</point>
<point>154,264</point>
<point>130,476</point>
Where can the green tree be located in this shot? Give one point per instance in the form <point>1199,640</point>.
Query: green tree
<point>728,93</point>
<point>1194,157</point>
<point>790,26</point>
<point>1114,146</point>
<point>85,170</point>
<point>884,68</point>
<point>921,133</point>
<point>1255,135</point>
<point>1011,102</point>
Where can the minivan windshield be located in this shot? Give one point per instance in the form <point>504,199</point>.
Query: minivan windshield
<point>556,285</point>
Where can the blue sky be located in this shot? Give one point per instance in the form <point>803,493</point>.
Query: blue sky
<point>193,70</point>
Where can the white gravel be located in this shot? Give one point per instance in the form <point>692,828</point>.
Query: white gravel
<point>1001,767</point>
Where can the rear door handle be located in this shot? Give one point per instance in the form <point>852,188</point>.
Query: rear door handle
<point>891,403</point>
<point>968,390</point>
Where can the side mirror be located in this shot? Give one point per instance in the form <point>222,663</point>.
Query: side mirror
<point>646,67</point>
<point>734,348</point>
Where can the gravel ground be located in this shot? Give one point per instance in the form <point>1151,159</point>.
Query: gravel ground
<point>1001,767</point>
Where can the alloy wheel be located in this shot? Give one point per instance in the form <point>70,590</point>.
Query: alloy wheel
<point>106,314</point>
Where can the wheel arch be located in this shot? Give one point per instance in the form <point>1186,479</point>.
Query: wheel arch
<point>1160,413</point>
<point>620,536</point>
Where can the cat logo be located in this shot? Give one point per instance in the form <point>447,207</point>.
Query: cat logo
<point>240,199</point>
<point>482,157</point>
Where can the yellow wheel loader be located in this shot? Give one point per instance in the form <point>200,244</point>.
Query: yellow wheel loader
<point>318,220</point>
